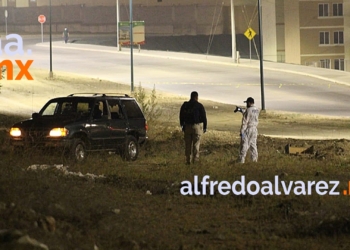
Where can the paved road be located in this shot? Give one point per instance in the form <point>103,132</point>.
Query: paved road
<point>292,88</point>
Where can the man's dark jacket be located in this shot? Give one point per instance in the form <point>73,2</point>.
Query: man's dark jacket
<point>193,112</point>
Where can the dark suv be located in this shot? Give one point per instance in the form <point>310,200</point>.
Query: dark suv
<point>80,123</point>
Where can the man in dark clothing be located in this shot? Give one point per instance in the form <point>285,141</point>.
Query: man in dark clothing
<point>193,121</point>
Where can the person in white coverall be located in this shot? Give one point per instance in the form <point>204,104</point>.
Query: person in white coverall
<point>249,131</point>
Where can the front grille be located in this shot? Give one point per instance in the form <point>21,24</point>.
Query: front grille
<point>37,135</point>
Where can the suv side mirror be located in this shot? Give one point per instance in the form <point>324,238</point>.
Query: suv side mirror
<point>35,116</point>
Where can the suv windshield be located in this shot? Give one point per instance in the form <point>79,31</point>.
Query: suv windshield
<point>67,107</point>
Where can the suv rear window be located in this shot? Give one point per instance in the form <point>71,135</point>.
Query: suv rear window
<point>133,109</point>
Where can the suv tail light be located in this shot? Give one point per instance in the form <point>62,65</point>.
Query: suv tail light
<point>146,125</point>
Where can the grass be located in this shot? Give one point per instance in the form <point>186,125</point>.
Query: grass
<point>168,220</point>
<point>118,212</point>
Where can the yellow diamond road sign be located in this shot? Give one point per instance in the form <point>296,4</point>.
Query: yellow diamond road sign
<point>250,33</point>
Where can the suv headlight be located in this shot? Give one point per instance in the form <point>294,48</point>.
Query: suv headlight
<point>15,132</point>
<point>59,132</point>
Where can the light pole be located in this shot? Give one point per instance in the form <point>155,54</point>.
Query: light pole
<point>261,58</point>
<point>51,74</point>
<point>131,48</point>
<point>117,17</point>
<point>233,32</point>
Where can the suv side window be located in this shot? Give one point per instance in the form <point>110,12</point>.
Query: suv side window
<point>67,108</point>
<point>132,109</point>
<point>83,109</point>
<point>115,109</point>
<point>100,110</point>
<point>74,107</point>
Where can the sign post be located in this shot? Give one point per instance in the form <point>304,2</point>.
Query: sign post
<point>6,15</point>
<point>42,20</point>
<point>250,33</point>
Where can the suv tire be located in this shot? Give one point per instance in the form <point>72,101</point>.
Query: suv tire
<point>131,150</point>
<point>78,151</point>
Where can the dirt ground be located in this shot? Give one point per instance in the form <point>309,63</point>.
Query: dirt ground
<point>108,203</point>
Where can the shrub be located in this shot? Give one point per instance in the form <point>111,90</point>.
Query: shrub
<point>149,104</point>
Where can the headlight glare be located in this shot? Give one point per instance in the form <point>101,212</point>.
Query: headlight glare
<point>59,132</point>
<point>15,132</point>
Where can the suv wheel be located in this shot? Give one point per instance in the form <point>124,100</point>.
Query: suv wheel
<point>78,151</point>
<point>131,150</point>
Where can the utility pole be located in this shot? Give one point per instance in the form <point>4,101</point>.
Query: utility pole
<point>131,48</point>
<point>261,58</point>
<point>117,17</point>
<point>233,32</point>
<point>51,73</point>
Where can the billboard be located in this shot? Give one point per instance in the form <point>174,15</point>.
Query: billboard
<point>138,29</point>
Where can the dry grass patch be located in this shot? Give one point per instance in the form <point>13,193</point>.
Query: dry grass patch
<point>138,204</point>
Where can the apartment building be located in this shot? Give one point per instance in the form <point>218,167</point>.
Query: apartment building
<point>322,31</point>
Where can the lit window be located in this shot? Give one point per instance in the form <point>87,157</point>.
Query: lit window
<point>323,9</point>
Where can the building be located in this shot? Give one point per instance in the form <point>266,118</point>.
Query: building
<point>317,33</point>
<point>308,32</point>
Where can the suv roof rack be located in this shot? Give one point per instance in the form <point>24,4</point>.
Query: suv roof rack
<point>99,94</point>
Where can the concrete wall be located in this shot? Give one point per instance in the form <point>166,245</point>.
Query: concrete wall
<point>22,3</point>
<point>86,3</point>
<point>269,30</point>
<point>292,31</point>
<point>347,34</point>
<point>89,3</point>
<point>280,31</point>
<point>159,20</point>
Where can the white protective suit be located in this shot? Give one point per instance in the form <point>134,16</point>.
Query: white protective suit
<point>249,133</point>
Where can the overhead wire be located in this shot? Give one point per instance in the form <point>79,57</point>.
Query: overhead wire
<point>212,32</point>
<point>212,26</point>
